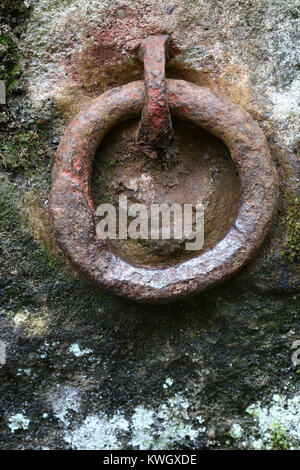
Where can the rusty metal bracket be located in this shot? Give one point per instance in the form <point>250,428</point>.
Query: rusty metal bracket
<point>155,129</point>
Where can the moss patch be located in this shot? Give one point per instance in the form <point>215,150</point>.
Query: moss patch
<point>8,213</point>
<point>9,69</point>
<point>23,150</point>
<point>280,439</point>
<point>291,247</point>
<point>11,12</point>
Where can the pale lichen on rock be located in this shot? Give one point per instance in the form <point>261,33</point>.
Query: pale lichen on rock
<point>277,424</point>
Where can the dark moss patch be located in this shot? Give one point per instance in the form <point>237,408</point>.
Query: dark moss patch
<point>8,213</point>
<point>23,150</point>
<point>12,14</point>
<point>14,11</point>
<point>291,248</point>
<point>9,68</point>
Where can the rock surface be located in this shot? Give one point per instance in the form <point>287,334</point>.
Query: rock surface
<point>81,368</point>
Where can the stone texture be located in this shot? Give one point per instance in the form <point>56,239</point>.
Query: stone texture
<point>83,368</point>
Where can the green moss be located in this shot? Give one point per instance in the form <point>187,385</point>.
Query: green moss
<point>46,258</point>
<point>9,215</point>
<point>9,69</point>
<point>280,439</point>
<point>13,13</point>
<point>22,151</point>
<point>291,247</point>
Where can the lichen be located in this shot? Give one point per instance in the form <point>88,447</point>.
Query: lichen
<point>98,432</point>
<point>167,427</point>
<point>164,427</point>
<point>66,399</point>
<point>77,351</point>
<point>277,425</point>
<point>236,431</point>
<point>18,421</point>
<point>34,323</point>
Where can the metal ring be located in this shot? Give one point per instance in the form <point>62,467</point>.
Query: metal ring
<point>72,209</point>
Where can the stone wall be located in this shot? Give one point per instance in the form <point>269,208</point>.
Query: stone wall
<point>81,368</point>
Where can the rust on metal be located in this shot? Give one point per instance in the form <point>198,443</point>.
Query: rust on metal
<point>72,209</point>
<point>155,129</point>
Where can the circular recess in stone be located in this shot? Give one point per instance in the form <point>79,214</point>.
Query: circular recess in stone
<point>196,166</point>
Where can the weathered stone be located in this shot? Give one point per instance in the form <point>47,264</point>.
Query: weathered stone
<point>86,369</point>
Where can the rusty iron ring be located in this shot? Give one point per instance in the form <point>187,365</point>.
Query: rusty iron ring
<point>72,209</point>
